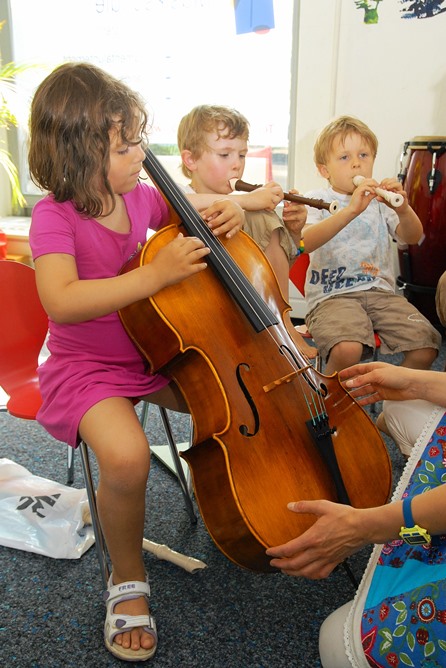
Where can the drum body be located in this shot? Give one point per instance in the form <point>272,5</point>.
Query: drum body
<point>423,175</point>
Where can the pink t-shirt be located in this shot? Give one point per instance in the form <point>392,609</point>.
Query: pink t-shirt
<point>95,359</point>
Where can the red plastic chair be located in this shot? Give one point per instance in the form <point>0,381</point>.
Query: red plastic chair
<point>298,273</point>
<point>23,326</point>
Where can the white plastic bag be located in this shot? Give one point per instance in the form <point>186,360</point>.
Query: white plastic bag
<point>40,515</point>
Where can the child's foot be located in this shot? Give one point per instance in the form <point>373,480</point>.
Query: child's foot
<point>130,630</point>
<point>304,347</point>
<point>136,638</point>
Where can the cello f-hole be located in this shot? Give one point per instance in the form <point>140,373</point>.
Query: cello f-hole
<point>243,428</point>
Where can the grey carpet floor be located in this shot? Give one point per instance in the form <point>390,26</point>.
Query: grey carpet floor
<point>51,611</point>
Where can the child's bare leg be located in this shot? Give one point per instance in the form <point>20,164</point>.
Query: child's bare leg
<point>342,355</point>
<point>301,343</point>
<point>279,262</point>
<point>419,359</point>
<point>112,429</point>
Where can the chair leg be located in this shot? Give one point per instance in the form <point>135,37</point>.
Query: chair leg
<point>144,414</point>
<point>373,410</point>
<point>70,465</point>
<point>184,483</point>
<point>101,549</point>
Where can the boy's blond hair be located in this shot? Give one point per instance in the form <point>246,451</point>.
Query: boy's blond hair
<point>341,128</point>
<point>207,118</point>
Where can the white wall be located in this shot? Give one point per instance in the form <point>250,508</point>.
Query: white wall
<point>392,75</point>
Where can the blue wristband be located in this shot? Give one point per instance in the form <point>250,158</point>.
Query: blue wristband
<point>411,533</point>
<point>407,512</point>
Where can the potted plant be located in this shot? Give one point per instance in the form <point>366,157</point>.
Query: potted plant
<point>8,72</point>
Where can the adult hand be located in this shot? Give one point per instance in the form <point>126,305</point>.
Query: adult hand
<point>377,381</point>
<point>336,534</point>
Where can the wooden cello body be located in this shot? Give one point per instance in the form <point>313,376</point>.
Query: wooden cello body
<point>250,393</point>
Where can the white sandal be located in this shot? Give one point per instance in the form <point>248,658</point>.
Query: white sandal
<point>118,623</point>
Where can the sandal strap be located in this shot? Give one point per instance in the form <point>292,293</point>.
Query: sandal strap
<point>125,592</point>
<point>128,622</point>
<point>116,624</point>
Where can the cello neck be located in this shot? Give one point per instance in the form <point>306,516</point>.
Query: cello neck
<point>253,306</point>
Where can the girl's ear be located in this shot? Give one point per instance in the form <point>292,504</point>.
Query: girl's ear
<point>188,160</point>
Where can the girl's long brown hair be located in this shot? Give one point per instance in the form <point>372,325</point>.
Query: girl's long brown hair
<point>72,113</point>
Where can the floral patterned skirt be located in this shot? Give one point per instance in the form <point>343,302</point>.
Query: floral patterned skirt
<point>398,617</point>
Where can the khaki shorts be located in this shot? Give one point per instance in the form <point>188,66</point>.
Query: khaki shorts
<point>356,315</point>
<point>440,299</point>
<point>260,226</point>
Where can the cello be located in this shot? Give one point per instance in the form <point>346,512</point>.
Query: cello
<point>268,427</point>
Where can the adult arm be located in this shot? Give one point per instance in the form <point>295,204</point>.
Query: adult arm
<point>340,530</point>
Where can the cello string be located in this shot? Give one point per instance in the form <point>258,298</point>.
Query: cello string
<point>244,289</point>
<point>222,255</point>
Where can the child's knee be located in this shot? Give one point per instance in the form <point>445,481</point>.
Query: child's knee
<point>347,350</point>
<point>127,469</point>
<point>421,358</point>
<point>440,299</point>
<point>342,355</point>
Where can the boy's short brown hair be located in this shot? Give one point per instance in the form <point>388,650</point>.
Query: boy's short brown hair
<point>205,118</point>
<point>340,128</point>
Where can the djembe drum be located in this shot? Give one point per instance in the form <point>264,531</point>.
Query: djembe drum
<point>423,175</point>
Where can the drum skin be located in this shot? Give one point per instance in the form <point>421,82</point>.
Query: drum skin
<point>425,183</point>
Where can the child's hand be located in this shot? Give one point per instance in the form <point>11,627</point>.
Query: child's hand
<point>265,198</point>
<point>362,196</point>
<point>394,185</point>
<point>178,260</point>
<point>224,217</point>
<point>294,216</point>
